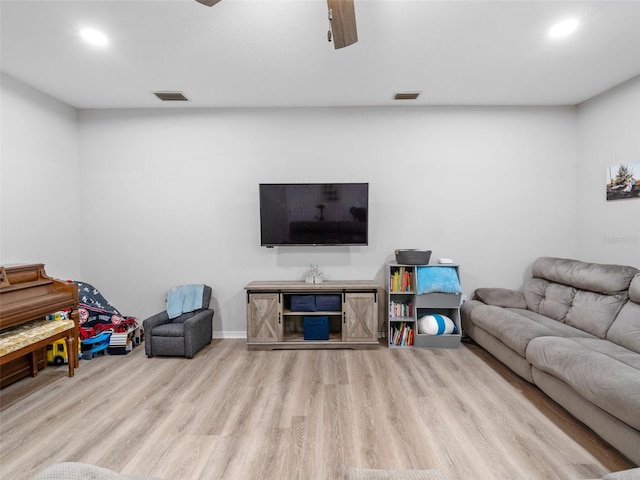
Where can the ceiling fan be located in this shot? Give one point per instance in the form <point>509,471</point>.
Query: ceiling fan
<point>342,19</point>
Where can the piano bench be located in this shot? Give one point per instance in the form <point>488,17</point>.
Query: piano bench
<point>32,336</point>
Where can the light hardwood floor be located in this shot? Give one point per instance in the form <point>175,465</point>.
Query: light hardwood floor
<point>230,413</point>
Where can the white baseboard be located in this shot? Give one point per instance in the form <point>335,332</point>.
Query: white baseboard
<point>232,334</point>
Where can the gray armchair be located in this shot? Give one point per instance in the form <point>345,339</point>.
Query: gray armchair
<point>182,336</point>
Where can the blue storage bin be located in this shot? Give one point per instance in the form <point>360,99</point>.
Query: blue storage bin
<point>316,328</point>
<point>328,303</point>
<point>303,303</point>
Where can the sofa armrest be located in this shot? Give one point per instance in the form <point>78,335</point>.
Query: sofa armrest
<point>198,331</point>
<point>203,317</point>
<point>155,320</point>
<point>149,324</point>
<point>500,297</point>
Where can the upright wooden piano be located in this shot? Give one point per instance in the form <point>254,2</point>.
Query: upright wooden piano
<point>27,295</point>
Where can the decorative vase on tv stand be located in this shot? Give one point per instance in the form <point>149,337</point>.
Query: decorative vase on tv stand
<point>313,275</point>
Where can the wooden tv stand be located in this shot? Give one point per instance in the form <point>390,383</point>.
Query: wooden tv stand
<point>271,323</point>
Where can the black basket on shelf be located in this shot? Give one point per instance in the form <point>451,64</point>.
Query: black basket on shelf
<point>413,256</point>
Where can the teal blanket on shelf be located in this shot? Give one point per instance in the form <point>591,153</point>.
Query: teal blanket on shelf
<point>438,279</point>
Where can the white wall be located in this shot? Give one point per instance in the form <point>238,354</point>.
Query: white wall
<point>171,196</point>
<point>609,128</point>
<point>39,176</point>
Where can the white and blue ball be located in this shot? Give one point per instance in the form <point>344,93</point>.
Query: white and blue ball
<point>436,324</point>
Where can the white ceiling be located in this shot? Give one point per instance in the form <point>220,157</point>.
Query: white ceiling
<point>275,52</point>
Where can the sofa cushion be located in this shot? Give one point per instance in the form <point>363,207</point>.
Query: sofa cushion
<point>559,329</point>
<point>169,330</point>
<point>595,312</point>
<point>602,372</point>
<point>625,330</point>
<point>550,299</point>
<point>601,278</point>
<point>501,297</point>
<point>591,311</point>
<point>514,327</point>
<point>185,316</point>
<point>634,289</point>
<point>510,328</point>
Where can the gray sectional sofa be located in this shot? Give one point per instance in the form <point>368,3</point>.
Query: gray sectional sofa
<point>573,331</point>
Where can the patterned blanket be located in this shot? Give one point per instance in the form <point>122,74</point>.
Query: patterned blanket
<point>97,314</point>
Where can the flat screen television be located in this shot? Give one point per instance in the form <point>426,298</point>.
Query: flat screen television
<point>314,214</point>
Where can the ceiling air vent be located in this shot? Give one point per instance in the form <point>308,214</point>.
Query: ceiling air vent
<point>171,96</point>
<point>406,96</point>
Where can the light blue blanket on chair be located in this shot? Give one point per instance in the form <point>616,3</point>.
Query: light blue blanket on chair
<point>184,299</point>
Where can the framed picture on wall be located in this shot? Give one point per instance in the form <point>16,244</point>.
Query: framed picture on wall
<point>623,181</point>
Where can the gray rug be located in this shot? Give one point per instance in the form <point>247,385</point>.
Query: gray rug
<point>82,471</point>
<point>367,474</point>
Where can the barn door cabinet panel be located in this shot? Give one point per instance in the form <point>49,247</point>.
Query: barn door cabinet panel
<point>360,317</point>
<point>264,317</point>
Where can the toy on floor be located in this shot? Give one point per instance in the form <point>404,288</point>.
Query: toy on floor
<point>57,352</point>
<point>93,345</point>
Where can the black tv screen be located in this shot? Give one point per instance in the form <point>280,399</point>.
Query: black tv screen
<point>314,214</point>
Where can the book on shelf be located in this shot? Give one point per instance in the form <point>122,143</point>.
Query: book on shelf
<point>402,335</point>
<point>401,280</point>
<point>400,309</point>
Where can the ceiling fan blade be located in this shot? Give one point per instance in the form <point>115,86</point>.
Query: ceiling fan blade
<point>208,3</point>
<point>343,22</point>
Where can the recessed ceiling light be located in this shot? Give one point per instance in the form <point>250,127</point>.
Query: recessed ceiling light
<point>563,28</point>
<point>94,37</point>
